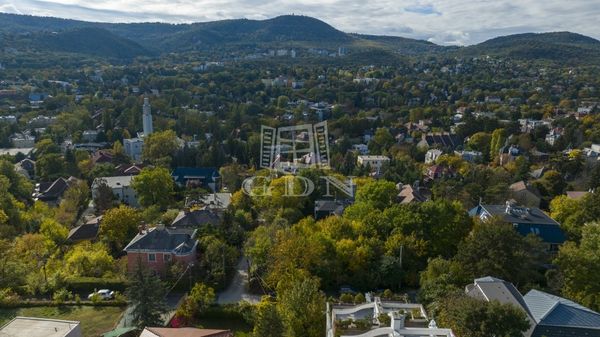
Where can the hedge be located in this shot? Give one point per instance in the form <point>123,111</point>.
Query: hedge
<point>89,284</point>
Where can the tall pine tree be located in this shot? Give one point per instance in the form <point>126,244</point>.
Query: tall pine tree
<point>147,295</point>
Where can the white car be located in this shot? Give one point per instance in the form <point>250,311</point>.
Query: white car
<point>104,294</point>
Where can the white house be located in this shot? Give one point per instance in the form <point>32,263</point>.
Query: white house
<point>432,155</point>
<point>133,148</point>
<point>375,162</point>
<point>121,187</point>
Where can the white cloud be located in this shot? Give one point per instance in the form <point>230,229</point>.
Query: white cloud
<point>439,21</point>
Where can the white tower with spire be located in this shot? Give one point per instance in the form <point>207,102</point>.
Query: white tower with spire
<point>147,117</point>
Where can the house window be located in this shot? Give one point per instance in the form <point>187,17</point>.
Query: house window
<point>167,257</point>
<point>152,257</point>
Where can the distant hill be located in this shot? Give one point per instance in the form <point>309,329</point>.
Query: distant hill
<point>129,40</point>
<point>558,46</point>
<point>89,41</point>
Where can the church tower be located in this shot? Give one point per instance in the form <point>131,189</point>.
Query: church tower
<point>147,117</point>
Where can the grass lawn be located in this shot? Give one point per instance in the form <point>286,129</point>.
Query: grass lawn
<point>94,320</point>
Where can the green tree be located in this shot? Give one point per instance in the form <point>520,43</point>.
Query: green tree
<point>104,198</point>
<point>469,317</point>
<point>154,186</point>
<point>575,261</point>
<point>119,225</point>
<point>495,248</point>
<point>267,322</point>
<point>497,142</point>
<point>200,298</point>
<point>147,296</point>
<point>159,147</point>
<point>301,306</point>
<point>378,194</point>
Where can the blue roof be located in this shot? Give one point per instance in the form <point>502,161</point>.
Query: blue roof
<point>526,221</point>
<point>181,174</point>
<point>548,233</point>
<point>557,311</point>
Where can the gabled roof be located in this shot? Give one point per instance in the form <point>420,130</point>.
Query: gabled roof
<point>160,239</point>
<point>504,292</point>
<point>410,194</point>
<point>55,189</point>
<point>195,218</point>
<point>88,231</point>
<point>557,311</point>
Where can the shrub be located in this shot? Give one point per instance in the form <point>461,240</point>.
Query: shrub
<point>346,298</point>
<point>8,296</point>
<point>359,298</point>
<point>388,294</point>
<point>62,295</point>
<point>384,319</point>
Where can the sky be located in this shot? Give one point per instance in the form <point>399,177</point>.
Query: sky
<point>446,22</point>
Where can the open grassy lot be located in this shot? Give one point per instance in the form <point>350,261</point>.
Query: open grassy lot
<point>94,320</point>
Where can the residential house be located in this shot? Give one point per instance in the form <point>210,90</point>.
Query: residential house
<point>133,147</point>
<point>405,319</point>
<point>548,315</point>
<point>374,162</point>
<point>22,140</point>
<point>525,221</point>
<point>554,135</point>
<point>470,156</point>
<point>412,193</point>
<point>327,207</point>
<point>121,187</point>
<point>432,155</point>
<point>52,192</point>
<point>203,177</point>
<point>102,157</point>
<point>361,149</point>
<point>26,167</point>
<point>184,332</point>
<point>86,232</point>
<point>40,327</point>
<point>438,171</point>
<point>538,173</point>
<point>89,135</point>
<point>129,169</point>
<point>577,195</point>
<point>36,98</point>
<point>443,140</point>
<point>195,218</point>
<point>525,194</point>
<point>159,247</point>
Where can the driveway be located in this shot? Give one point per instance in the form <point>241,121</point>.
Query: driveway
<point>238,289</point>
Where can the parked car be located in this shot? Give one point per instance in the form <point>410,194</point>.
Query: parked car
<point>104,294</point>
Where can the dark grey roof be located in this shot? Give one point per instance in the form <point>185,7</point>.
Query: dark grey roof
<point>196,218</point>
<point>550,310</point>
<point>87,231</point>
<point>160,239</point>
<point>526,220</point>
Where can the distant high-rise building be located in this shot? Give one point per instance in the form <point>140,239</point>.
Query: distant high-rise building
<point>147,117</point>
<point>341,51</point>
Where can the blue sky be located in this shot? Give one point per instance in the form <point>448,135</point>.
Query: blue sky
<point>448,22</point>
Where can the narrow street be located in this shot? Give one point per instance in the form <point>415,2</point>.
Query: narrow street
<point>238,289</point>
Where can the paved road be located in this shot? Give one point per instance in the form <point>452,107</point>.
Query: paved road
<point>238,289</point>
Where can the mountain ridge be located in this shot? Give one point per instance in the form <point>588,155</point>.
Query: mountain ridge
<point>284,31</point>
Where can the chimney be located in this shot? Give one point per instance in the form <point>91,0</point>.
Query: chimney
<point>160,226</point>
<point>508,207</point>
<point>397,321</point>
